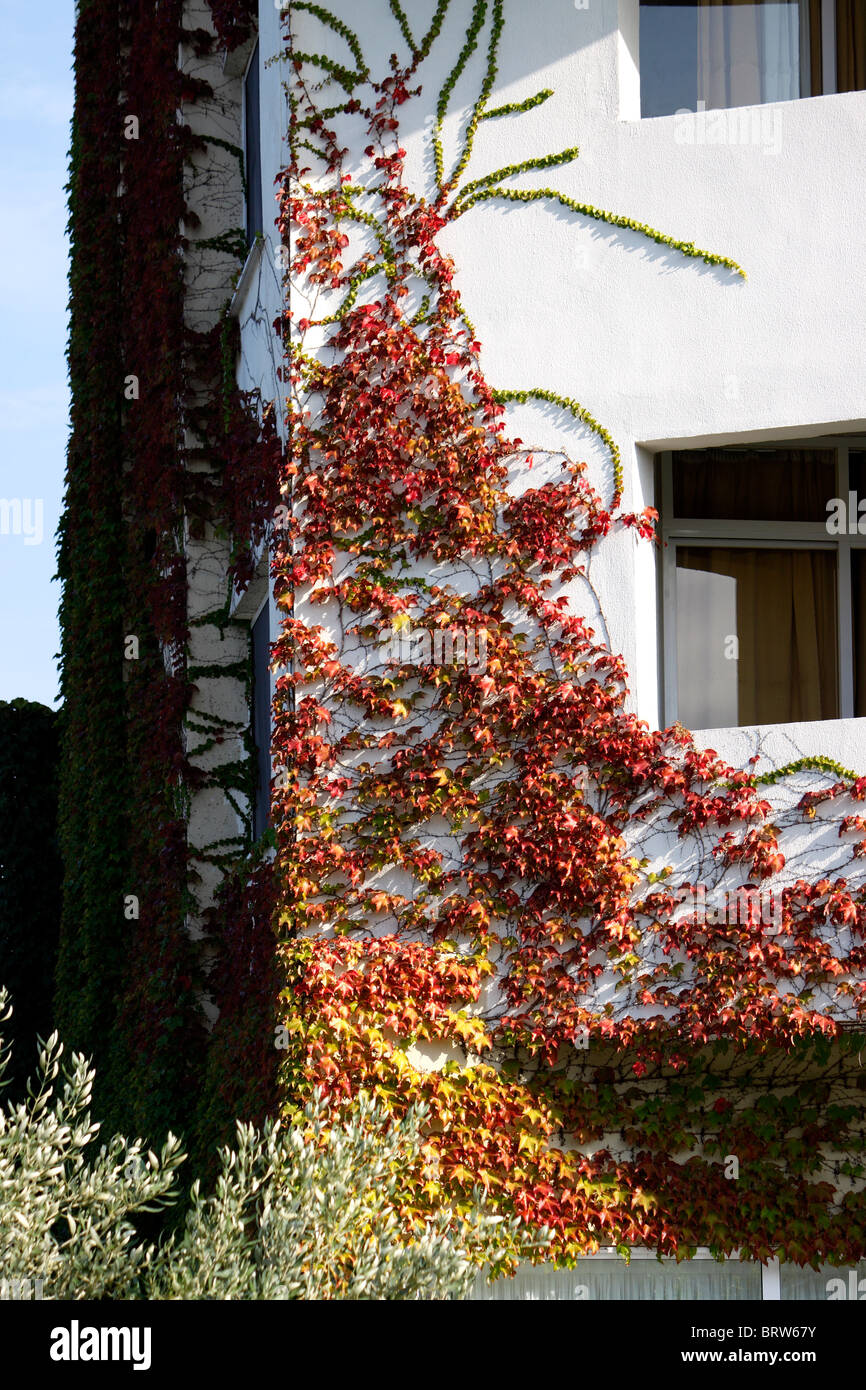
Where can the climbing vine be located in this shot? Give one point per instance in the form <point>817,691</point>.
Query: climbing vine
<point>479,902</point>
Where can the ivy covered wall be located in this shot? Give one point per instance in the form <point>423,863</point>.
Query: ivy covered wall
<point>30,873</point>
<point>473,900</point>
<point>486,868</point>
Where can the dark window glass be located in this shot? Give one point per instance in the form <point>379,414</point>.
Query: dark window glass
<point>756,636</point>
<point>713,55</point>
<point>252,149</point>
<point>754,485</point>
<point>668,59</point>
<point>850,45</point>
<point>858,614</point>
<point>261,643</point>
<point>857,473</point>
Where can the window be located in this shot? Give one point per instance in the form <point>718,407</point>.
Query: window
<point>253,149</point>
<point>599,1278</point>
<point>261,720</point>
<point>711,54</point>
<point>764,583</point>
<point>830,1283</point>
<point>605,1279</point>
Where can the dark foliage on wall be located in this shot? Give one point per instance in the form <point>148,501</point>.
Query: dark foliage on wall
<point>30,873</point>
<point>234,20</point>
<point>240,1080</point>
<point>95,778</point>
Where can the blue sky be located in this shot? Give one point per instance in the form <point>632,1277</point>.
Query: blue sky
<point>35,110</point>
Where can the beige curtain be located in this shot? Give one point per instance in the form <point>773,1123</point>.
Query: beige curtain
<point>748,52</point>
<point>818,1284</point>
<point>858,594</point>
<point>613,1281</point>
<point>786,625</point>
<point>857,482</point>
<point>602,1280</point>
<point>816,49</point>
<point>850,45</point>
<point>754,485</point>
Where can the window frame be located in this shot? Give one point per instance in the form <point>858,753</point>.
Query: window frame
<point>757,535</point>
